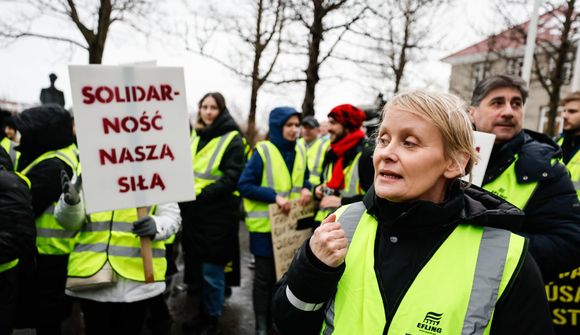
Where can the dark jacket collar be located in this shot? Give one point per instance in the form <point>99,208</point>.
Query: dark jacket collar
<point>570,146</point>
<point>535,152</point>
<point>471,206</point>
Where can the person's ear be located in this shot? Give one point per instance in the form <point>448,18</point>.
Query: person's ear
<point>456,167</point>
<point>472,110</point>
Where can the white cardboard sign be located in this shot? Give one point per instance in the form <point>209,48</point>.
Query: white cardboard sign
<point>483,143</point>
<point>132,128</point>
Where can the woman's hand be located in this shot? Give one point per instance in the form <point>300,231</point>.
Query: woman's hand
<point>328,243</point>
<point>305,197</point>
<point>330,201</point>
<point>283,204</point>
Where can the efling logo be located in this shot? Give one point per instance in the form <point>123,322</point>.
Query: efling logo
<point>430,323</point>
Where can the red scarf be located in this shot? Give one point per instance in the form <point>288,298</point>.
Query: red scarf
<point>339,148</point>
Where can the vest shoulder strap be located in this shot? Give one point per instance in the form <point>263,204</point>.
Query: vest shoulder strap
<point>350,218</point>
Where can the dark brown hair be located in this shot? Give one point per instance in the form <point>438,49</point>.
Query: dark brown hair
<point>219,99</point>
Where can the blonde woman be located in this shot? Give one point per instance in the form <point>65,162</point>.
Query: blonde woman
<point>418,255</point>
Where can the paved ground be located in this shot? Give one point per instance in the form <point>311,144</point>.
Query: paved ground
<point>238,316</point>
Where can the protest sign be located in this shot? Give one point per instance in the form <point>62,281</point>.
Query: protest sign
<point>483,143</point>
<point>132,129</point>
<point>286,240</point>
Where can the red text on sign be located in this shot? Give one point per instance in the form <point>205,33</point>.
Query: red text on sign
<point>139,153</point>
<point>109,94</point>
<point>140,183</point>
<point>131,124</point>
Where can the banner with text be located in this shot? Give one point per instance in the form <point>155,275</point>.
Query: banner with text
<point>132,129</point>
<point>286,239</point>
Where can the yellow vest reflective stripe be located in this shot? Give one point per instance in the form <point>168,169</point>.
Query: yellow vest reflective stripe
<point>275,175</point>
<point>480,260</point>
<point>9,147</point>
<point>315,154</point>
<point>351,184</point>
<point>51,237</point>
<point>109,236</point>
<point>8,265</point>
<point>573,167</point>
<point>206,161</point>
<point>507,187</point>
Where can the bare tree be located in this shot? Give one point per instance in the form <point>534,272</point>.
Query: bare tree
<point>255,48</point>
<point>317,17</point>
<point>554,53</point>
<point>93,20</point>
<point>396,34</point>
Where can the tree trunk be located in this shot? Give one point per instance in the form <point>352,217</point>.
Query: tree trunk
<point>251,132</point>
<point>96,53</point>
<point>312,77</point>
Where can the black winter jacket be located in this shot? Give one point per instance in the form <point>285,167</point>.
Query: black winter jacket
<point>420,227</point>
<point>210,223</point>
<point>552,214</point>
<point>17,229</point>
<point>45,128</point>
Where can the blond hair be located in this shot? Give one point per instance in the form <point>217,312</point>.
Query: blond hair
<point>448,114</point>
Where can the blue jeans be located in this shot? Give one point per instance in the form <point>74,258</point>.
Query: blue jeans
<point>212,290</point>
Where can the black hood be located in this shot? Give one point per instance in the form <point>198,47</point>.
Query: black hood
<point>223,124</point>
<point>44,128</point>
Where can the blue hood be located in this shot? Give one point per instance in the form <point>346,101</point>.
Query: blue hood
<point>279,116</point>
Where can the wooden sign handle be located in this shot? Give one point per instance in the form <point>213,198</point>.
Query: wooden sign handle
<point>146,251</point>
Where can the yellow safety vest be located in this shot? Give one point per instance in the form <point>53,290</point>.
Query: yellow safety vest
<point>454,293</point>
<point>276,176</point>
<point>51,237</point>
<point>10,148</point>
<point>315,154</point>
<point>8,265</point>
<point>573,167</point>
<point>351,185</point>
<point>206,161</point>
<point>507,187</point>
<point>109,236</point>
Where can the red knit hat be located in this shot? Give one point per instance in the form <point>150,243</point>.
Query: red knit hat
<point>347,115</point>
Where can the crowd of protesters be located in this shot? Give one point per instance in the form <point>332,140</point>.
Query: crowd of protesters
<point>402,242</point>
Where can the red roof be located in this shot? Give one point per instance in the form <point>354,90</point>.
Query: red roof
<point>513,38</point>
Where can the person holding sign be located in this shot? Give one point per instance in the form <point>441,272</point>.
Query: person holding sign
<point>417,255</point>
<point>347,168</point>
<point>211,222</point>
<point>276,173</point>
<point>46,148</point>
<point>105,268</point>
<point>525,169</point>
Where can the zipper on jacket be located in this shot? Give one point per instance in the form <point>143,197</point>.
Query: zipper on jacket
<point>410,282</point>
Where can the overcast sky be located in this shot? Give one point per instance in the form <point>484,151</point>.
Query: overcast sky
<point>26,63</point>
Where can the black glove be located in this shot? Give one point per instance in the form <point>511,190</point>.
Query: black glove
<point>145,227</point>
<point>71,191</point>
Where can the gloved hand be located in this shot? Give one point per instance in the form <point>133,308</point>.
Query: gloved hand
<point>70,190</point>
<point>145,226</point>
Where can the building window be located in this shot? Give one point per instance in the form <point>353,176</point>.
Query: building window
<point>480,71</point>
<point>514,66</point>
